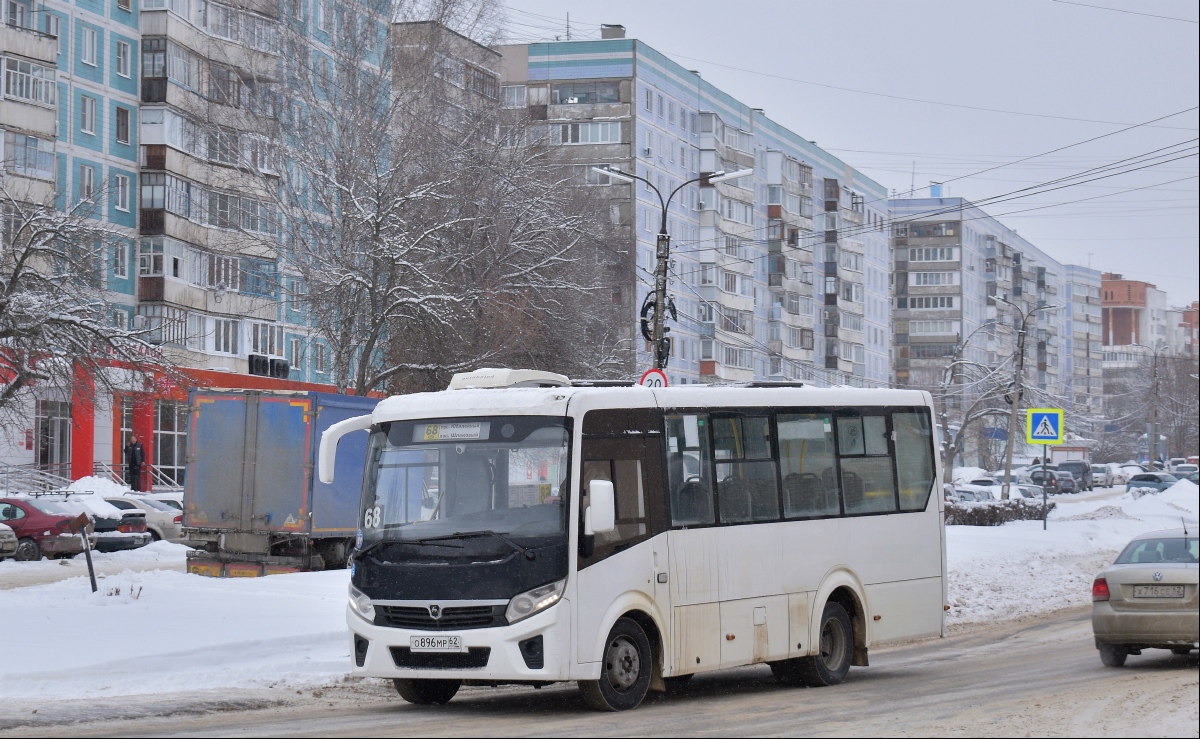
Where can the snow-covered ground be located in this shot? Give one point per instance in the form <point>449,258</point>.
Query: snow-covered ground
<point>162,631</point>
<point>1018,569</point>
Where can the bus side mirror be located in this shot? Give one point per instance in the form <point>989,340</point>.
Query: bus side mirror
<point>329,442</point>
<point>601,516</point>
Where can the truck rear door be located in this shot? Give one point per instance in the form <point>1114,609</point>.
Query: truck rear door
<point>216,450</point>
<point>278,469</point>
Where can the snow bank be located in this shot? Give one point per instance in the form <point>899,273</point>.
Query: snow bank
<point>162,632</point>
<point>101,486</point>
<point>1018,570</point>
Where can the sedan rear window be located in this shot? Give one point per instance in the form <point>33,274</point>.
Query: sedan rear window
<point>1176,550</point>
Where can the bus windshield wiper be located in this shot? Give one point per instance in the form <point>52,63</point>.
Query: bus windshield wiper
<point>527,553</point>
<point>376,545</point>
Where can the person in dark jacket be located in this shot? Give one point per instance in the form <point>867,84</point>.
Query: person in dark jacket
<point>135,457</point>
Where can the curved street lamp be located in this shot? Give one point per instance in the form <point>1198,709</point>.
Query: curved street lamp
<point>662,347</point>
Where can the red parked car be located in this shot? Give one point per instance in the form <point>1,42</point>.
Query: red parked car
<point>41,528</point>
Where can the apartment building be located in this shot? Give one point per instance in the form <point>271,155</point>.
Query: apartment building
<point>962,276</point>
<point>778,275</point>
<point>1083,346</point>
<point>158,113</point>
<point>1133,312</point>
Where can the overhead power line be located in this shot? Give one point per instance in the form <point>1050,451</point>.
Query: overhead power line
<point>912,99</point>
<point>1130,12</point>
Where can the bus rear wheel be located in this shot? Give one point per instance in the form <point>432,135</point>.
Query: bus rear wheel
<point>426,692</point>
<point>836,642</point>
<point>625,673</point>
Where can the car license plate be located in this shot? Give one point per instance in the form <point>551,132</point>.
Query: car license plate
<point>1157,591</point>
<point>446,643</point>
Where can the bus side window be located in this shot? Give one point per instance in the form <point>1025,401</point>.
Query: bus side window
<point>689,470</point>
<point>867,482</point>
<point>806,460</point>
<point>747,488</point>
<point>914,458</point>
<point>627,475</point>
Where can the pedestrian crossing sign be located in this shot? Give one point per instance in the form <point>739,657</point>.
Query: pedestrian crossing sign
<point>1044,426</point>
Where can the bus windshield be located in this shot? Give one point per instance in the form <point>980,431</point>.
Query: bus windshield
<point>440,477</point>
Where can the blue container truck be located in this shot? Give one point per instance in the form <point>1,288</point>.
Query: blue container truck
<point>253,504</point>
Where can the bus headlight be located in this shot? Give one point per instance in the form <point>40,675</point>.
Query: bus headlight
<point>534,601</point>
<point>362,604</point>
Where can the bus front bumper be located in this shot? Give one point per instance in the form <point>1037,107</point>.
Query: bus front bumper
<point>494,654</point>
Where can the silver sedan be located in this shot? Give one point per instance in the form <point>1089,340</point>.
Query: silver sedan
<point>1148,599</point>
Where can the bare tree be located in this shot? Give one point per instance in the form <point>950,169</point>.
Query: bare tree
<point>57,324</point>
<point>426,241</point>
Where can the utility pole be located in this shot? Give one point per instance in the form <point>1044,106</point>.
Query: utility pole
<point>1152,437</point>
<point>1016,393</point>
<point>1016,405</point>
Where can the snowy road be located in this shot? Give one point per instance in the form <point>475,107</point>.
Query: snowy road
<point>1041,678</point>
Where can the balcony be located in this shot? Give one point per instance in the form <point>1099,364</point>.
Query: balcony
<point>30,43</point>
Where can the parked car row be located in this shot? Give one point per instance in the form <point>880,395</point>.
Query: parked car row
<point>40,523</point>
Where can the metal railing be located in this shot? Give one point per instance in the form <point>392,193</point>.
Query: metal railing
<point>152,478</point>
<point>29,478</point>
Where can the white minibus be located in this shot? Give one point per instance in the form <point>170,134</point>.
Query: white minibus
<point>517,528</point>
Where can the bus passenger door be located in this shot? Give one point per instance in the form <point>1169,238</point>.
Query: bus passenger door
<point>620,564</point>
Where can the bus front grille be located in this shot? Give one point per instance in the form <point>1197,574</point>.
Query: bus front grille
<point>457,617</point>
<point>473,659</point>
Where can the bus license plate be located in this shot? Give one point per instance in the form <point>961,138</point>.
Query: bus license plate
<point>1157,591</point>
<point>436,644</point>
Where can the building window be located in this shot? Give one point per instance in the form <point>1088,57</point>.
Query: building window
<point>87,115</point>
<point>586,133</point>
<point>322,11</point>
<point>320,358</point>
<point>54,28</point>
<point>120,263</point>
<point>124,54</point>
<point>154,58</point>
<point>225,336</point>
<point>87,182</point>
<point>150,257</point>
<point>584,93</point>
<point>121,192</point>
<point>513,96</point>
<point>122,125</point>
<point>266,338</point>
<point>649,100</point>
<point>89,46</point>
<point>29,81</point>
<point>296,353</point>
<point>125,4</point>
<point>28,155</point>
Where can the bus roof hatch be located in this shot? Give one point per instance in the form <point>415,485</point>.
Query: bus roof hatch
<point>499,378</point>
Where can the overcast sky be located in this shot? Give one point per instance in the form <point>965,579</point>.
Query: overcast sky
<point>1064,72</point>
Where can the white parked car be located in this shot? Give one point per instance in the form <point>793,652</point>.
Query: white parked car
<point>8,541</point>
<point>173,499</point>
<point>1118,473</point>
<point>1102,476</point>
<point>164,522</point>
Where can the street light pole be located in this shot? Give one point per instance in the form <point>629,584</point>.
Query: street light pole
<point>1152,435</point>
<point>659,343</point>
<point>1018,381</point>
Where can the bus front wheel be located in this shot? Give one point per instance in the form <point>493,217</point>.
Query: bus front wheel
<point>625,673</point>
<point>836,645</point>
<point>425,692</point>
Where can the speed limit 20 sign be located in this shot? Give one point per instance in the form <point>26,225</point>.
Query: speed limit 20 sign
<point>653,378</point>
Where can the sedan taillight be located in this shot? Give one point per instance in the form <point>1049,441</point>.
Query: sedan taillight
<point>178,519</point>
<point>1100,589</point>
